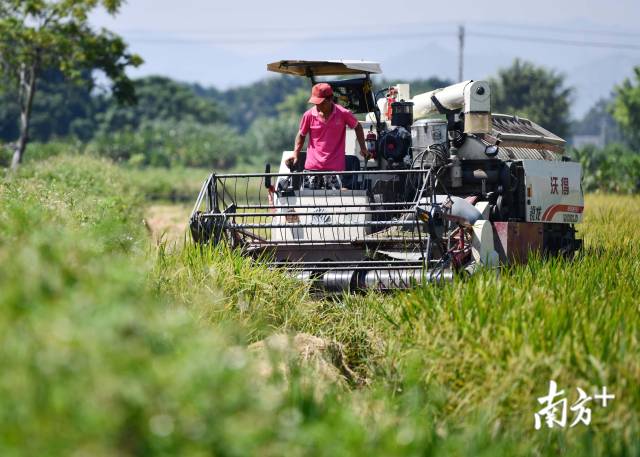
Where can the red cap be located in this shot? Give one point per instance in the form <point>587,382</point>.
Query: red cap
<point>320,92</point>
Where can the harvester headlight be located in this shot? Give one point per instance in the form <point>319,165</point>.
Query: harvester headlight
<point>491,150</point>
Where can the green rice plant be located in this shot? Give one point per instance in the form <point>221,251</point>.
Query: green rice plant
<point>113,346</point>
<point>487,346</point>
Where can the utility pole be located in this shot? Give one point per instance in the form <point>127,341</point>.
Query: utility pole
<point>460,51</point>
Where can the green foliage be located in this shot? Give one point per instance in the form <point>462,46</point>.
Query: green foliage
<point>599,121</point>
<point>165,144</point>
<point>37,36</point>
<point>475,354</point>
<point>111,349</point>
<point>159,99</point>
<point>532,92</point>
<point>262,119</point>
<point>177,184</point>
<point>42,151</point>
<point>626,107</point>
<point>62,109</point>
<point>612,169</point>
<point>56,35</point>
<point>261,99</point>
<point>9,115</point>
<point>94,361</point>
<point>295,104</point>
<point>273,135</point>
<point>463,363</point>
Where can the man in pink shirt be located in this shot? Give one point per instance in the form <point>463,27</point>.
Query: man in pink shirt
<point>325,125</point>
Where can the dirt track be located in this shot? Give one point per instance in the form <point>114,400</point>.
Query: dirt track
<point>167,222</point>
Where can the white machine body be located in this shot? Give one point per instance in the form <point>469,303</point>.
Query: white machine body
<point>554,191</point>
<point>473,98</point>
<point>470,96</point>
<point>319,215</point>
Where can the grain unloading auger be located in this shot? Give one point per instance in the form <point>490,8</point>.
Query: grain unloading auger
<point>465,190</point>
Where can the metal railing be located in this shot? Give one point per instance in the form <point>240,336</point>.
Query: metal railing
<point>365,226</point>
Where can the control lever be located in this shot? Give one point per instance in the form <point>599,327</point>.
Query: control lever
<point>267,178</point>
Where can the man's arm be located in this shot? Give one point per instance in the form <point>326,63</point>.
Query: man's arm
<point>360,137</point>
<point>298,145</point>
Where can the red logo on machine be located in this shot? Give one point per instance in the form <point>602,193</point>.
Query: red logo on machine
<point>552,210</point>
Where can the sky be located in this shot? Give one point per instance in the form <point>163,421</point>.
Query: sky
<point>595,44</point>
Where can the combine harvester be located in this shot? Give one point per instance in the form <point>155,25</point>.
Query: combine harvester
<point>451,188</point>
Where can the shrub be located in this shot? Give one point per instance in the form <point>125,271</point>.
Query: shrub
<point>167,144</point>
<point>273,135</point>
<point>40,151</point>
<point>612,169</point>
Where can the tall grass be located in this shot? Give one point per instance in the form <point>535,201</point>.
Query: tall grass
<point>111,347</point>
<point>480,351</point>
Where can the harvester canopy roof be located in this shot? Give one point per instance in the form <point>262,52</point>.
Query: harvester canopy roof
<point>324,67</point>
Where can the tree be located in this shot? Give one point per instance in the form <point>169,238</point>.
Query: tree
<point>62,108</point>
<point>294,104</point>
<point>40,35</point>
<point>533,92</point>
<point>160,99</point>
<point>9,115</point>
<point>170,143</point>
<point>599,121</point>
<point>626,107</point>
<point>273,135</point>
<point>245,104</point>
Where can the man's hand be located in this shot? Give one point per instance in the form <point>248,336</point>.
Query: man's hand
<point>291,161</point>
<point>360,137</point>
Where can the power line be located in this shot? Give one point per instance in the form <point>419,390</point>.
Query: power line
<point>385,37</point>
<point>561,30</point>
<point>580,43</point>
<point>225,40</point>
<point>276,39</point>
<point>284,29</point>
<point>231,34</point>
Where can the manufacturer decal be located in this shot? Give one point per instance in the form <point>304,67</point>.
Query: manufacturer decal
<point>320,217</point>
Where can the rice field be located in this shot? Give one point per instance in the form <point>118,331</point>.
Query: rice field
<point>112,344</point>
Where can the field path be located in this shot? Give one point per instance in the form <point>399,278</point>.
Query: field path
<point>167,222</point>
